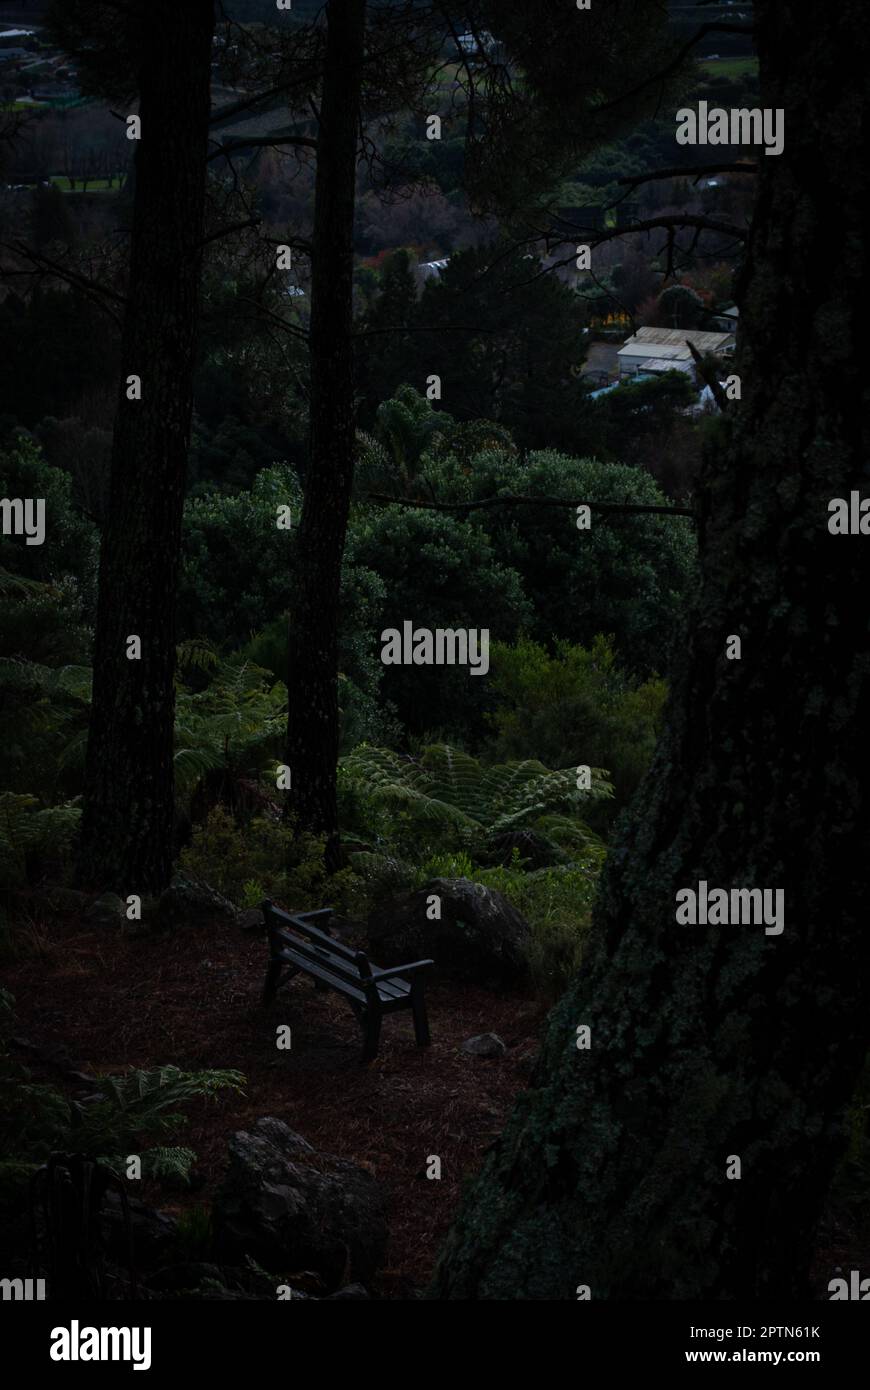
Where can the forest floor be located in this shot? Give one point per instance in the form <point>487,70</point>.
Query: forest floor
<point>89,999</point>
<point>97,1001</point>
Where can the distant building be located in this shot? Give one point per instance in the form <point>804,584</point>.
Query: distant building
<point>656,350</point>
<point>727,320</point>
<point>430,270</point>
<point>477,46</point>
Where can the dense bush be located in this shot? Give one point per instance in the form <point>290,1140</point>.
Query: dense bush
<point>574,706</point>
<point>436,572</point>
<point>236,568</point>
<point>629,575</point>
<point>69,551</point>
<point>263,858</point>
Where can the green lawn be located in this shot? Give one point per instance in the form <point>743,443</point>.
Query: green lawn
<point>94,185</point>
<point>731,67</point>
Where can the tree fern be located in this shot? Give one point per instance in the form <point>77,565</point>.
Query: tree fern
<point>121,1115</point>
<point>237,724</point>
<point>450,793</point>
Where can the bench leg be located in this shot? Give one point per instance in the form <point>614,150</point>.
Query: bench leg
<point>273,975</point>
<point>371,1033</point>
<point>421,1018</point>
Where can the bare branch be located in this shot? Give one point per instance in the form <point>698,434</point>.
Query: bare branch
<point>709,377</point>
<point>227,231</point>
<point>677,62</point>
<point>262,142</point>
<point>509,500</point>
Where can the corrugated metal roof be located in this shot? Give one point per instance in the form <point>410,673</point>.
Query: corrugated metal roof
<point>665,364</point>
<point>702,340</point>
<point>669,350</point>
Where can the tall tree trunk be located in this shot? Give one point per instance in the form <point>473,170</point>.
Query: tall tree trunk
<point>129,785</point>
<point>312,735</point>
<point>715,1041</point>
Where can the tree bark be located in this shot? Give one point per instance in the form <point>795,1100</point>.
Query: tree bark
<point>714,1041</point>
<point>313,722</point>
<point>129,786</point>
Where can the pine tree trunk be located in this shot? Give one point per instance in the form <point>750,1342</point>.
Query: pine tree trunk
<point>129,785</point>
<point>313,727</point>
<point>715,1041</point>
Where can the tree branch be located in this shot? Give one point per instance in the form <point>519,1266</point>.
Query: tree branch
<point>43,266</point>
<point>226,231</point>
<point>709,377</point>
<point>698,170</point>
<point>676,62</point>
<point>509,500</point>
<point>262,142</point>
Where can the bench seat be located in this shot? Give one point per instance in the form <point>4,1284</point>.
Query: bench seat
<point>297,945</point>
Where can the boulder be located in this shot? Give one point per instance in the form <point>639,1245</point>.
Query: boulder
<point>60,899</point>
<point>290,1207</point>
<point>250,919</point>
<point>188,902</point>
<point>153,1234</point>
<point>479,936</point>
<point>108,910</point>
<point>485,1045</point>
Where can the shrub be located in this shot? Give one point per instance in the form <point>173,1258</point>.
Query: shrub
<point>576,705</point>
<point>264,859</point>
<point>447,801</point>
<point>122,1111</point>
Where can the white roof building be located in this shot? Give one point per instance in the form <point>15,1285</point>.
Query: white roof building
<point>659,350</point>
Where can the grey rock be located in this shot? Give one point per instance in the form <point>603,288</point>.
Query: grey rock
<point>480,937</point>
<point>153,1233</point>
<point>289,1207</point>
<point>62,900</point>
<point>108,910</point>
<point>485,1045</point>
<point>351,1291</point>
<point>190,902</point>
<point>250,919</point>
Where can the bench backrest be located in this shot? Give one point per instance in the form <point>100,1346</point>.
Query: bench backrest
<point>286,933</point>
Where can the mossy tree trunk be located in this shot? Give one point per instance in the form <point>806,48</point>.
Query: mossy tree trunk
<point>129,785</point>
<point>313,723</point>
<point>714,1041</point>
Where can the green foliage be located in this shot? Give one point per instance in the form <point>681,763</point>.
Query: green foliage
<point>27,829</point>
<point>557,904</point>
<point>43,720</point>
<point>144,1104</point>
<point>264,858</point>
<point>235,726</point>
<point>575,705</point>
<point>633,419</point>
<point>439,572</point>
<point>629,575</point>
<point>70,546</point>
<point>448,800</point>
<point>514,364</point>
<point>405,427</point>
<point>121,1113</point>
<point>680,307</point>
<point>237,565</point>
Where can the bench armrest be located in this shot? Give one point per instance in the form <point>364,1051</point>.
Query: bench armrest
<point>390,974</point>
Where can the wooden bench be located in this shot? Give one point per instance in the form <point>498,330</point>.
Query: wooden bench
<point>295,945</point>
